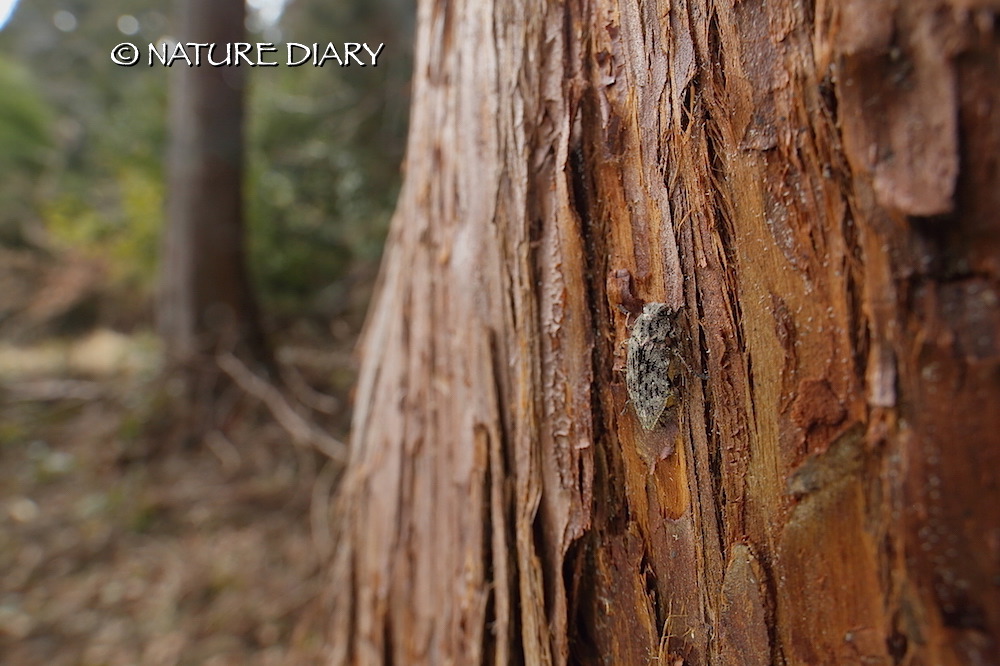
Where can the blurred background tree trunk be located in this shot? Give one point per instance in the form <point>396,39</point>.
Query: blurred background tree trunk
<point>206,303</point>
<point>816,185</point>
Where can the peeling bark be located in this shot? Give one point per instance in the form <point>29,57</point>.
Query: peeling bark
<point>816,184</point>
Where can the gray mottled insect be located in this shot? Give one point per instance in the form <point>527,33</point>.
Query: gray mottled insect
<point>653,370</point>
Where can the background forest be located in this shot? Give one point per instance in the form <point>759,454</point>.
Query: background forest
<point>120,544</point>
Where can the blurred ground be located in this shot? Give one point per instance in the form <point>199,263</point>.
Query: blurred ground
<point>117,547</point>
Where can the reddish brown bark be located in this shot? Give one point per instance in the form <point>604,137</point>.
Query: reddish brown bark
<point>816,186</point>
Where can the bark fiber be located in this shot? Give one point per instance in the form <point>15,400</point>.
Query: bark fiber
<point>816,184</point>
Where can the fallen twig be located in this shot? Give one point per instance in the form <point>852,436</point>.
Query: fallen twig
<point>301,429</point>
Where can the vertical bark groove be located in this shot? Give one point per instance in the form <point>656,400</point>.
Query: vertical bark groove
<point>814,183</point>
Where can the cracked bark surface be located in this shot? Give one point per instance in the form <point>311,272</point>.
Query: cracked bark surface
<point>816,183</point>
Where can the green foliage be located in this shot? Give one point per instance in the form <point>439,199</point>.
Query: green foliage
<point>309,218</point>
<point>126,235</point>
<point>323,144</point>
<point>324,149</point>
<point>25,147</point>
<point>24,121</point>
<point>103,176</point>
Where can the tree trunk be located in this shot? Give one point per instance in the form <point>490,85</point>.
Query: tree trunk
<point>206,303</point>
<point>813,187</point>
